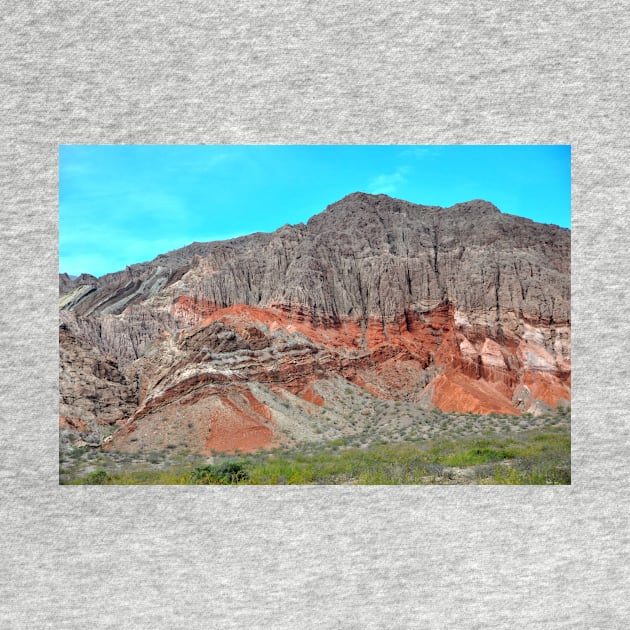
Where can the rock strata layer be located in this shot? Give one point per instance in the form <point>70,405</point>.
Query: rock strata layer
<point>464,308</point>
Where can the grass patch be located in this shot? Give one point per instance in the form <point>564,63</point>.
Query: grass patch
<point>137,477</point>
<point>536,457</point>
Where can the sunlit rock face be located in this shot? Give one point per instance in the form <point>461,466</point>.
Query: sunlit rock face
<point>463,308</point>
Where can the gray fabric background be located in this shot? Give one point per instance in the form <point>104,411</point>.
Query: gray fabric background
<point>308,557</point>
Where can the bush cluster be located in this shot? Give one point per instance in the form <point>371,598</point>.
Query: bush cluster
<point>225,473</point>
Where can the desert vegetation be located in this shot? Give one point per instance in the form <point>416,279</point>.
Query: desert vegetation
<point>439,448</point>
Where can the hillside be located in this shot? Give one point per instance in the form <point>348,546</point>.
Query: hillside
<point>259,341</point>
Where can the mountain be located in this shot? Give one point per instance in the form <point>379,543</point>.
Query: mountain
<point>245,343</point>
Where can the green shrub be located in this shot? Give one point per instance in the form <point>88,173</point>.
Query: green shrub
<point>225,473</point>
<point>97,478</point>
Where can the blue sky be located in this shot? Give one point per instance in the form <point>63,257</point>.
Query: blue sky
<point>123,204</point>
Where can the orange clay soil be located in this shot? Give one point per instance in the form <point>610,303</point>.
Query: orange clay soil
<point>238,427</point>
<point>547,388</point>
<point>457,392</point>
<point>310,395</point>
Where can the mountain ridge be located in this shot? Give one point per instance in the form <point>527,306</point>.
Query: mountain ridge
<point>87,277</point>
<point>461,303</point>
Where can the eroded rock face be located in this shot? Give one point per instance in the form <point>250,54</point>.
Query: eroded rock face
<point>94,392</point>
<point>463,307</point>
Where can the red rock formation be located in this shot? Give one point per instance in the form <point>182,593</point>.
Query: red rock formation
<point>189,310</point>
<point>407,358</point>
<point>463,308</point>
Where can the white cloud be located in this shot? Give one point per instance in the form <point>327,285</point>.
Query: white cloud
<point>425,152</point>
<point>388,183</point>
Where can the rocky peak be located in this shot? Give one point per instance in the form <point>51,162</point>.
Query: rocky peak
<point>475,207</point>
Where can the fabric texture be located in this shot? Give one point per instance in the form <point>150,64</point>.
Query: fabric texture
<point>314,557</point>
